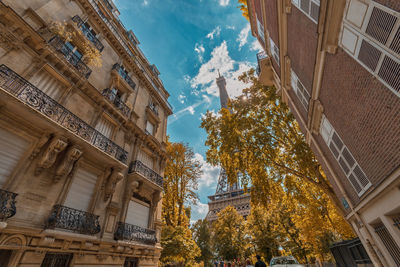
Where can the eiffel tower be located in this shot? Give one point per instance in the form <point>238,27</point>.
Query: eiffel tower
<point>226,194</point>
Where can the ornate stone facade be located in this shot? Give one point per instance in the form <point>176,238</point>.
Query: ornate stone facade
<point>83,119</point>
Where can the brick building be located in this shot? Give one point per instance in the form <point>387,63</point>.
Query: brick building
<point>337,65</point>
<point>83,119</point>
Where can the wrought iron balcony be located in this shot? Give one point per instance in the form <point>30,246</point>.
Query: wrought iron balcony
<point>73,220</point>
<point>124,75</point>
<point>7,204</point>
<point>108,5</point>
<point>86,31</point>
<point>118,103</point>
<point>70,56</point>
<point>138,167</point>
<point>36,99</point>
<point>126,231</point>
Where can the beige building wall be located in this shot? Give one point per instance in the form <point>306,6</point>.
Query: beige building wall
<point>66,140</point>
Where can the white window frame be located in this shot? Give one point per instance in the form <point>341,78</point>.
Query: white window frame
<point>327,132</point>
<point>274,51</point>
<point>361,35</point>
<point>260,29</point>
<point>297,3</point>
<point>294,80</point>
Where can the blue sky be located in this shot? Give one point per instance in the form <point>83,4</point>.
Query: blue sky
<point>188,41</point>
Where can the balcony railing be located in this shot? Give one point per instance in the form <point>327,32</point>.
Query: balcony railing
<point>73,220</point>
<point>124,75</point>
<point>86,31</point>
<point>138,167</point>
<point>36,99</point>
<point>126,231</point>
<point>7,204</point>
<point>118,103</point>
<point>60,46</point>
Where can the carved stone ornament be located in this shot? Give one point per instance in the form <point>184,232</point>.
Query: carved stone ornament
<point>42,141</point>
<point>49,156</point>
<point>111,183</point>
<point>68,162</point>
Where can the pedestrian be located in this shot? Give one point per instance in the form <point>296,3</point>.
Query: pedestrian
<point>259,262</point>
<point>248,263</point>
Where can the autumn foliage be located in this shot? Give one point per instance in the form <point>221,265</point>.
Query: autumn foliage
<point>292,199</point>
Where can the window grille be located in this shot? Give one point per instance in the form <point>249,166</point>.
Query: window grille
<point>309,7</point>
<point>300,90</point>
<point>56,260</point>
<point>131,262</point>
<point>388,242</point>
<point>376,43</point>
<point>274,51</point>
<point>344,157</point>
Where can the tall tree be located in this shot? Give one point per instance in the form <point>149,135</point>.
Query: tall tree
<point>229,237</point>
<point>180,182</point>
<point>202,237</point>
<point>260,137</point>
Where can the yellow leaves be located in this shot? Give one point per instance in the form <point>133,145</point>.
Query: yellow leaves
<point>91,55</point>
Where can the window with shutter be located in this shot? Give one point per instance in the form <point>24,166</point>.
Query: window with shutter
<point>150,128</point>
<point>371,35</point>
<point>260,29</point>
<point>48,84</point>
<point>274,51</point>
<point>105,127</point>
<point>345,159</point>
<point>12,148</point>
<point>388,242</point>
<point>146,159</point>
<point>138,213</point>
<point>309,7</point>
<point>300,90</point>
<point>81,190</point>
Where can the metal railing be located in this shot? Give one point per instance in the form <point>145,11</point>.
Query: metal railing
<point>126,231</point>
<point>69,55</point>
<point>116,100</point>
<point>36,99</point>
<point>138,167</point>
<point>124,75</point>
<point>86,31</point>
<point>73,220</point>
<point>350,253</point>
<point>396,221</point>
<point>7,204</point>
<point>388,241</point>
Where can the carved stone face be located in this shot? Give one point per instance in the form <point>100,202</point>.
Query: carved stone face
<point>76,154</point>
<point>59,145</point>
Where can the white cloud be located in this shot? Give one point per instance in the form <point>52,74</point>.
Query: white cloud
<point>223,2</point>
<point>199,48</point>
<point>191,109</point>
<point>206,99</point>
<point>242,38</point>
<point>230,69</point>
<point>216,32</point>
<point>145,2</point>
<point>229,27</point>
<point>181,98</point>
<point>256,46</point>
<point>209,178</point>
<point>199,211</point>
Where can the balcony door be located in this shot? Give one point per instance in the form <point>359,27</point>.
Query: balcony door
<point>5,256</point>
<point>105,127</point>
<point>81,191</point>
<point>12,148</point>
<point>146,159</point>
<point>57,260</point>
<point>138,213</point>
<point>48,84</point>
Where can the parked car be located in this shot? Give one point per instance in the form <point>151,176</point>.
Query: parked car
<point>285,261</point>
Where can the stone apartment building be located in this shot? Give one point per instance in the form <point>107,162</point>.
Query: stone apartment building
<point>83,119</point>
<point>337,65</point>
